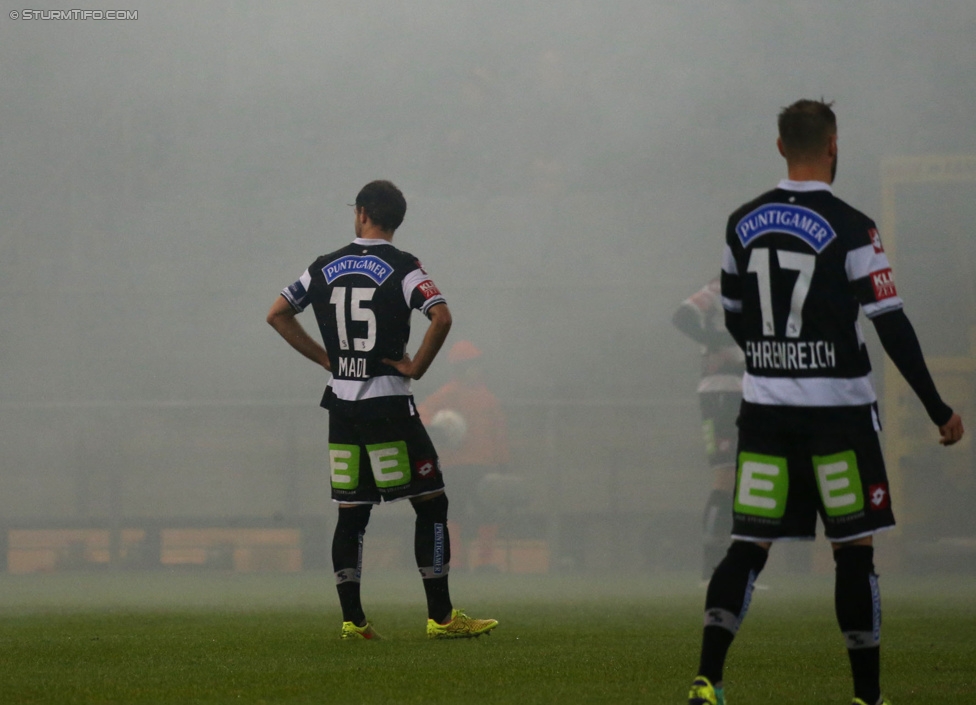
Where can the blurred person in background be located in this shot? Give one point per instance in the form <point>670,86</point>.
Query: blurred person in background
<point>469,426</point>
<point>702,318</point>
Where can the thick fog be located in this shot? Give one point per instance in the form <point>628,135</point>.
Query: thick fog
<point>568,168</point>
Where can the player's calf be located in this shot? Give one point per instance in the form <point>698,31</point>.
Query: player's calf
<point>347,556</point>
<point>857,601</point>
<point>726,604</point>
<point>432,549</point>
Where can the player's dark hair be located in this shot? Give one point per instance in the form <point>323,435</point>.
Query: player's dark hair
<point>805,127</point>
<point>383,203</point>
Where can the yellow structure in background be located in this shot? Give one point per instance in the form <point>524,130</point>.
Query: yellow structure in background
<point>909,436</point>
<point>246,550</point>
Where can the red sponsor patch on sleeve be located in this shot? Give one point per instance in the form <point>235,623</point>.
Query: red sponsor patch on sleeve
<point>428,289</point>
<point>883,282</point>
<point>876,240</point>
<point>878,496</point>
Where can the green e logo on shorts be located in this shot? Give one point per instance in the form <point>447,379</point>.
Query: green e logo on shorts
<point>839,482</point>
<point>761,485</point>
<point>390,462</point>
<point>344,466</point>
<point>708,435</point>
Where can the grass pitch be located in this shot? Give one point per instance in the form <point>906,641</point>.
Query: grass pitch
<point>224,638</point>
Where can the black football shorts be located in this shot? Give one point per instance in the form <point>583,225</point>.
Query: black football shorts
<point>783,481</point>
<point>381,460</point>
<point>719,410</point>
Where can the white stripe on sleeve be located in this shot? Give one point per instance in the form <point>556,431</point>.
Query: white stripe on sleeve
<point>411,281</point>
<point>728,261</point>
<point>732,305</point>
<point>892,303</point>
<point>863,261</point>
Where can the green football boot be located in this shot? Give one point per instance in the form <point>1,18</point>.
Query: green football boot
<point>461,626</point>
<point>351,631</point>
<point>704,693</point>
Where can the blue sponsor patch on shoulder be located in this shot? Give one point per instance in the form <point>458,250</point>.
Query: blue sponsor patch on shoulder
<point>367,265</point>
<point>808,225</point>
<point>296,294</point>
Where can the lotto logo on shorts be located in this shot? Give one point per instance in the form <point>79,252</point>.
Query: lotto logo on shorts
<point>878,496</point>
<point>426,468</point>
<point>884,284</point>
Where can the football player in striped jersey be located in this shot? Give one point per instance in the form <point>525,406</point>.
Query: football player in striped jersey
<point>799,266</point>
<point>363,295</point>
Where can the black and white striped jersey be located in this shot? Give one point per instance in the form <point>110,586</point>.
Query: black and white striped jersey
<point>362,296</point>
<point>799,265</point>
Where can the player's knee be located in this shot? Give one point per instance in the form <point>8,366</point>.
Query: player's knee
<point>749,550</point>
<point>730,589</point>
<point>432,510</point>
<point>749,555</point>
<point>717,518</point>
<point>353,520</point>
<point>854,560</point>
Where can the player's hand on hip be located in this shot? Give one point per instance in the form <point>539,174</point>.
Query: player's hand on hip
<point>951,431</point>
<point>404,365</point>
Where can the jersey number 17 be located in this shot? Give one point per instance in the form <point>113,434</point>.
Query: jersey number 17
<point>802,263</point>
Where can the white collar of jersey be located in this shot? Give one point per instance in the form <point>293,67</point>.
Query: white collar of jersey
<point>370,241</point>
<point>789,185</point>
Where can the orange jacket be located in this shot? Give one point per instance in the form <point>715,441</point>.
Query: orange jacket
<point>486,439</point>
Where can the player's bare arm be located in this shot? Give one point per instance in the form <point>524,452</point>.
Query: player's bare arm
<point>282,318</point>
<point>440,326</point>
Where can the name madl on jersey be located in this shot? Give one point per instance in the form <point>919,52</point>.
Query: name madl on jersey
<point>354,367</point>
<point>790,355</point>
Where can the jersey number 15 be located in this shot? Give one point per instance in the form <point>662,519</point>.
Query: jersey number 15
<point>357,312</point>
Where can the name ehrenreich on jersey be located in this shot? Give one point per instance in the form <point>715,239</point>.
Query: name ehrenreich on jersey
<point>791,355</point>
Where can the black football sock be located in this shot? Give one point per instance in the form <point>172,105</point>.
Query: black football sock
<point>432,549</point>
<point>726,604</point>
<point>857,601</point>
<point>347,560</point>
